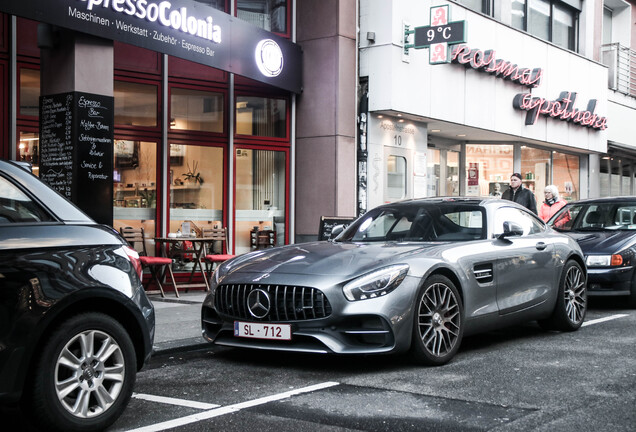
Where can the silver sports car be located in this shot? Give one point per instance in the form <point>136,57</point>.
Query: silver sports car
<point>415,275</point>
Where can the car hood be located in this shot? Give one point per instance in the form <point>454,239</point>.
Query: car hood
<point>322,258</point>
<point>603,242</point>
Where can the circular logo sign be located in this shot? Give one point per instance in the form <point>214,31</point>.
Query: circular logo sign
<point>258,303</point>
<point>269,58</point>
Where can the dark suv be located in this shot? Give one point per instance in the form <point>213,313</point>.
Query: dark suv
<point>75,322</point>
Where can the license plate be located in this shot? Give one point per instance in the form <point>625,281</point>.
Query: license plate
<point>262,331</point>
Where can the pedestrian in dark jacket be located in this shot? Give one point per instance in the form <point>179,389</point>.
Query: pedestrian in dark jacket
<point>520,194</point>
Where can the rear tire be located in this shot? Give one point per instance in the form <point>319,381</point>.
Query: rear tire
<point>571,303</point>
<point>85,375</point>
<point>438,322</point>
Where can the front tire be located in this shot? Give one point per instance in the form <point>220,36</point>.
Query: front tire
<point>571,304</point>
<point>438,322</point>
<point>85,376</point>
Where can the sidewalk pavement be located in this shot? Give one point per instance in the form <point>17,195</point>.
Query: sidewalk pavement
<point>178,322</point>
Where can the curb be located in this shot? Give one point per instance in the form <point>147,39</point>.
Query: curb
<point>178,346</point>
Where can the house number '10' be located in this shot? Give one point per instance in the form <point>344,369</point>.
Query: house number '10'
<point>397,139</point>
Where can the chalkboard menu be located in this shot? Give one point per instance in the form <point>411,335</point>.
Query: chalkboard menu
<point>56,143</point>
<point>76,150</point>
<point>327,223</point>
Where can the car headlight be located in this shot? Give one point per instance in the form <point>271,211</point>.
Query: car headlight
<point>604,260</point>
<point>376,284</point>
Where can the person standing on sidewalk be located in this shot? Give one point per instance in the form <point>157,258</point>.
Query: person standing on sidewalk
<point>520,194</point>
<point>552,203</point>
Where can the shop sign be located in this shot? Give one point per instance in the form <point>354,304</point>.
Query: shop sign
<point>180,28</point>
<point>486,61</point>
<point>561,108</point>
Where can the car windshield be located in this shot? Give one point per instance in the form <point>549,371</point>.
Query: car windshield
<point>599,216</point>
<point>416,223</point>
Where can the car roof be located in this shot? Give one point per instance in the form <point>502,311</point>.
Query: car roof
<point>450,200</point>
<point>55,202</point>
<point>618,199</point>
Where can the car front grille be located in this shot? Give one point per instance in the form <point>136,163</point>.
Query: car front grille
<point>285,303</point>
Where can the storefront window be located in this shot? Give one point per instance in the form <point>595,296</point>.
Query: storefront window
<point>29,149</point>
<point>196,110</point>
<point>432,172</point>
<point>29,92</point>
<point>261,117</point>
<point>196,187</point>
<point>565,173</point>
<point>626,188</point>
<point>452,173</point>
<point>535,170</point>
<point>395,178</point>
<point>135,104</point>
<point>616,177</point>
<point>604,177</point>
<point>488,168</point>
<point>270,15</point>
<point>135,187</point>
<point>260,199</point>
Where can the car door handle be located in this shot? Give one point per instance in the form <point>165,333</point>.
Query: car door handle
<point>541,246</point>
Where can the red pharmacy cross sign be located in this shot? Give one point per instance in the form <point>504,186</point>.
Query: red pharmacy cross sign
<point>437,36</point>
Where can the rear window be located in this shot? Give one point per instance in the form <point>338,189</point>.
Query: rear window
<point>17,207</point>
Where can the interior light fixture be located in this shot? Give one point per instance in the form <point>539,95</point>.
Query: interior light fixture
<point>461,135</point>
<point>436,130</point>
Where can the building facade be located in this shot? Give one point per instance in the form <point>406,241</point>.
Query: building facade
<point>541,87</point>
<point>521,87</point>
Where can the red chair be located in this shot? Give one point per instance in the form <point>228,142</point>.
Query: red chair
<point>218,241</point>
<point>156,265</point>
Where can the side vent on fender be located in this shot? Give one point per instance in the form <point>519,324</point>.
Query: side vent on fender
<point>483,273</point>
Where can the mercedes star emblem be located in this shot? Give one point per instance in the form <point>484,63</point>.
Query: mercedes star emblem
<point>258,303</point>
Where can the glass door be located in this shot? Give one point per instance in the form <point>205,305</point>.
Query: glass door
<point>260,199</point>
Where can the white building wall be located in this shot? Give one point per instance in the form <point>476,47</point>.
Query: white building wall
<point>452,93</point>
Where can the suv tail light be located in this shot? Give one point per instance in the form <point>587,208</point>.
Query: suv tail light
<point>134,259</point>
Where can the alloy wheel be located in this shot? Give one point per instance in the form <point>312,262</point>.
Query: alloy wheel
<point>575,295</point>
<point>89,374</point>
<point>439,319</point>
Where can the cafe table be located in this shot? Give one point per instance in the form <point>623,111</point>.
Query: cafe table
<point>199,248</point>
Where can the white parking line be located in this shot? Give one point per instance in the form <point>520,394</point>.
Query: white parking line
<point>175,401</point>
<point>600,320</point>
<point>205,415</point>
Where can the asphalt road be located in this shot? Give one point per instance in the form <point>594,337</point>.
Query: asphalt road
<point>518,379</point>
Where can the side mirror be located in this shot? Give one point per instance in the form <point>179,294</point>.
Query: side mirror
<point>336,231</point>
<point>511,229</point>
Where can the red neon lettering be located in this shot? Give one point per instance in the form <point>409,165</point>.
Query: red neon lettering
<point>561,109</point>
